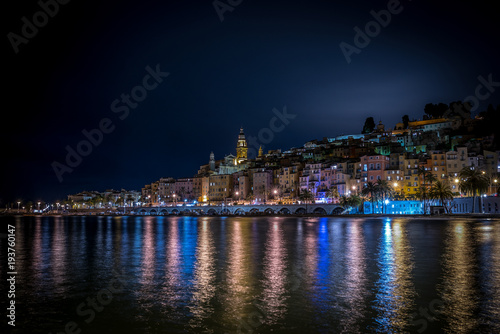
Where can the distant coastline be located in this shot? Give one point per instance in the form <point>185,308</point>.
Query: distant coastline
<point>308,215</point>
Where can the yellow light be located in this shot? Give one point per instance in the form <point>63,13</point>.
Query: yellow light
<point>456,180</point>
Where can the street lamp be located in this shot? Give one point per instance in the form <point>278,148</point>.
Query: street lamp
<point>18,206</point>
<point>38,206</point>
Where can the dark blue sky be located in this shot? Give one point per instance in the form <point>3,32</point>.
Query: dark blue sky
<point>222,75</point>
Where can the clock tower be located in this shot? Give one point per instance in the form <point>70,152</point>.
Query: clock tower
<point>241,147</point>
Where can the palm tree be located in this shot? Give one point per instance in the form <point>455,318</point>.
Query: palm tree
<point>109,198</point>
<point>130,199</point>
<point>344,202</point>
<point>332,193</point>
<point>352,201</point>
<point>371,190</point>
<point>425,186</point>
<point>306,195</point>
<point>384,188</point>
<point>473,182</point>
<point>94,201</point>
<point>356,200</point>
<point>441,191</point>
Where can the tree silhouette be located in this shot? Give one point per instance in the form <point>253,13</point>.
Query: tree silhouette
<point>369,125</point>
<point>435,110</point>
<point>442,192</point>
<point>332,193</point>
<point>473,182</point>
<point>406,120</point>
<point>371,190</point>
<point>424,189</point>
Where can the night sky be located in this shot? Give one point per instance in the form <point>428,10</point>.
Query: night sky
<point>264,55</point>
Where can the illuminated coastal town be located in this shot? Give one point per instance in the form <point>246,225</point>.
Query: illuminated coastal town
<point>413,168</point>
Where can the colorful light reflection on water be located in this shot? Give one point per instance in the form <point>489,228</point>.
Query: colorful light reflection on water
<point>280,275</point>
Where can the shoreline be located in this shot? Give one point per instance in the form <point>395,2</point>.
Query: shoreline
<point>419,216</point>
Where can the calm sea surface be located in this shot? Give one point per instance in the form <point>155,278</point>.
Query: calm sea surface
<point>253,275</point>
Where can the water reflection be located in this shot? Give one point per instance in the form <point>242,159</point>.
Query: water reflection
<point>297,275</point>
<point>117,240</point>
<point>355,287</point>
<point>204,276</point>
<point>237,279</point>
<point>274,295</point>
<point>329,269</point>
<point>146,293</point>
<point>261,275</point>
<point>148,256</point>
<point>310,256</point>
<point>172,292</point>
<point>37,254</point>
<point>489,240</point>
<point>394,300</point>
<point>58,257</point>
<point>20,247</point>
<point>458,289</point>
<point>108,240</point>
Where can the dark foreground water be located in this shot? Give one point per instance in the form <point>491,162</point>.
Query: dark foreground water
<point>260,275</point>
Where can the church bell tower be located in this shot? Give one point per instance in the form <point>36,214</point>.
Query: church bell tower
<point>241,147</point>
